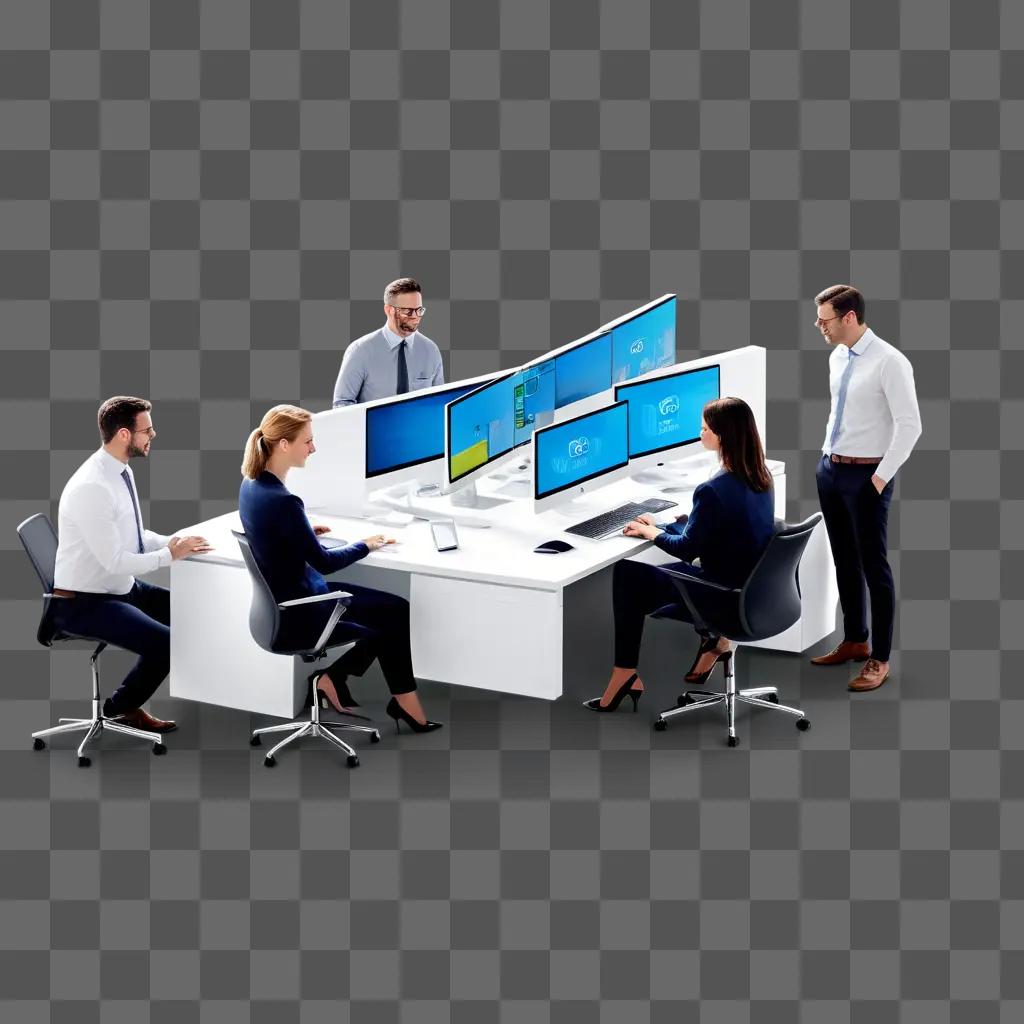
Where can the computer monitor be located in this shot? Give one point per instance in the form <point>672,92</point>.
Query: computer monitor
<point>405,433</point>
<point>480,431</point>
<point>644,340</point>
<point>582,368</point>
<point>665,413</point>
<point>579,455</point>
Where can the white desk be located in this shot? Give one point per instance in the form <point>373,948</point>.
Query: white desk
<point>487,615</point>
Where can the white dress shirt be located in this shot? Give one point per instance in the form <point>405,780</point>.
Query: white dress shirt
<point>878,417</point>
<point>98,544</point>
<point>369,367</point>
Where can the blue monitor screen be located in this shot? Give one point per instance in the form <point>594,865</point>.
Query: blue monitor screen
<point>583,371</point>
<point>407,432</point>
<point>581,449</point>
<point>645,343</point>
<point>666,412</point>
<point>481,426</point>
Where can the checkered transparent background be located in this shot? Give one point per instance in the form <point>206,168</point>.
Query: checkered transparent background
<point>201,201</point>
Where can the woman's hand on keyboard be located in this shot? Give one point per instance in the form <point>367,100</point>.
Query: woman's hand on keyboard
<point>639,528</point>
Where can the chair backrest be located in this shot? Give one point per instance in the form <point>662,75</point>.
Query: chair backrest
<point>39,539</point>
<point>264,615</point>
<point>770,599</point>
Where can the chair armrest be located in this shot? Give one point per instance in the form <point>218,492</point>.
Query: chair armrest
<point>334,595</point>
<point>684,581</point>
<point>702,581</point>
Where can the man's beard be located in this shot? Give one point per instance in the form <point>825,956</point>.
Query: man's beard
<point>136,453</point>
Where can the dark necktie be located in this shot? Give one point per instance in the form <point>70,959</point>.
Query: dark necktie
<point>135,506</point>
<point>402,385</point>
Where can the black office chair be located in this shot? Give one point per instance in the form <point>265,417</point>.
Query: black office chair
<point>39,539</point>
<point>766,604</point>
<point>265,626</point>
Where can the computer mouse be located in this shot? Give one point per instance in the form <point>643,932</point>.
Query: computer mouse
<point>552,547</point>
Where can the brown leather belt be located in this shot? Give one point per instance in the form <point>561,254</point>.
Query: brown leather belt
<point>57,592</point>
<point>855,460</point>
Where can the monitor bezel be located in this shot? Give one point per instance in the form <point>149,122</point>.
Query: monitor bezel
<point>537,496</point>
<point>416,396</point>
<point>641,381</point>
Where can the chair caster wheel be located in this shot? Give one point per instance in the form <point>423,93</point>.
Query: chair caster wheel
<point>772,698</point>
<point>159,749</point>
<point>733,741</point>
<point>660,726</point>
<point>375,737</point>
<point>38,744</point>
<point>84,762</point>
<point>352,761</point>
<point>683,699</point>
<point>255,741</point>
<point>803,724</point>
<point>270,761</point>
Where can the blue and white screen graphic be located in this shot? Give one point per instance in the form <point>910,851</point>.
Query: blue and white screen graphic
<point>581,448</point>
<point>645,343</point>
<point>666,412</point>
<point>408,432</point>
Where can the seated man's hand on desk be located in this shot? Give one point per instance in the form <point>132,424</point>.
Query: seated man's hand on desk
<point>182,547</point>
<point>319,529</point>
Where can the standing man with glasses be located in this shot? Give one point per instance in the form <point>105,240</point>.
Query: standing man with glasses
<point>873,426</point>
<point>394,359</point>
<point>102,545</point>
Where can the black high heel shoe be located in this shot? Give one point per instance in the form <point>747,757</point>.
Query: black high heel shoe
<point>399,714</point>
<point>625,689</point>
<point>708,645</point>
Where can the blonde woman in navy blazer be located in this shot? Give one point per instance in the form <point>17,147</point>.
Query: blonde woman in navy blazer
<point>294,562</point>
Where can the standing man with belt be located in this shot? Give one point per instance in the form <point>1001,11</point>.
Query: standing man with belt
<point>873,425</point>
<point>102,545</point>
<point>394,359</point>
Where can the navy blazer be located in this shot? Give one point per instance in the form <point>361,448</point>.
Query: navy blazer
<point>291,558</point>
<point>728,529</point>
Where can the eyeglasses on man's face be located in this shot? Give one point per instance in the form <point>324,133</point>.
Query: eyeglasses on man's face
<point>148,431</point>
<point>410,311</point>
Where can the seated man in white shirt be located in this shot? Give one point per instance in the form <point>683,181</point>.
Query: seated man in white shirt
<point>102,545</point>
<point>394,359</point>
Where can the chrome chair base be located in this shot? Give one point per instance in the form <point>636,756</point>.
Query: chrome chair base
<point>758,697</point>
<point>313,727</point>
<point>96,724</point>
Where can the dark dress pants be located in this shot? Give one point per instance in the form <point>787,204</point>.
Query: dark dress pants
<point>138,621</point>
<point>637,590</point>
<point>379,622</point>
<point>857,520</point>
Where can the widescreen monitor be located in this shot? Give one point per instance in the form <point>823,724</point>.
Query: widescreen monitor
<point>644,341</point>
<point>579,454</point>
<point>480,429</point>
<point>408,431</point>
<point>665,411</point>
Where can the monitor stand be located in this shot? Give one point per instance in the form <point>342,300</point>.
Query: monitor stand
<point>470,497</point>
<point>674,477</point>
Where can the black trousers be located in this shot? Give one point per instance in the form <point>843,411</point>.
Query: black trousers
<point>637,590</point>
<point>138,621</point>
<point>379,622</point>
<point>857,520</point>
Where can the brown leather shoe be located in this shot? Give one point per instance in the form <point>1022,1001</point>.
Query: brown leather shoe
<point>871,677</point>
<point>140,718</point>
<point>846,651</point>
